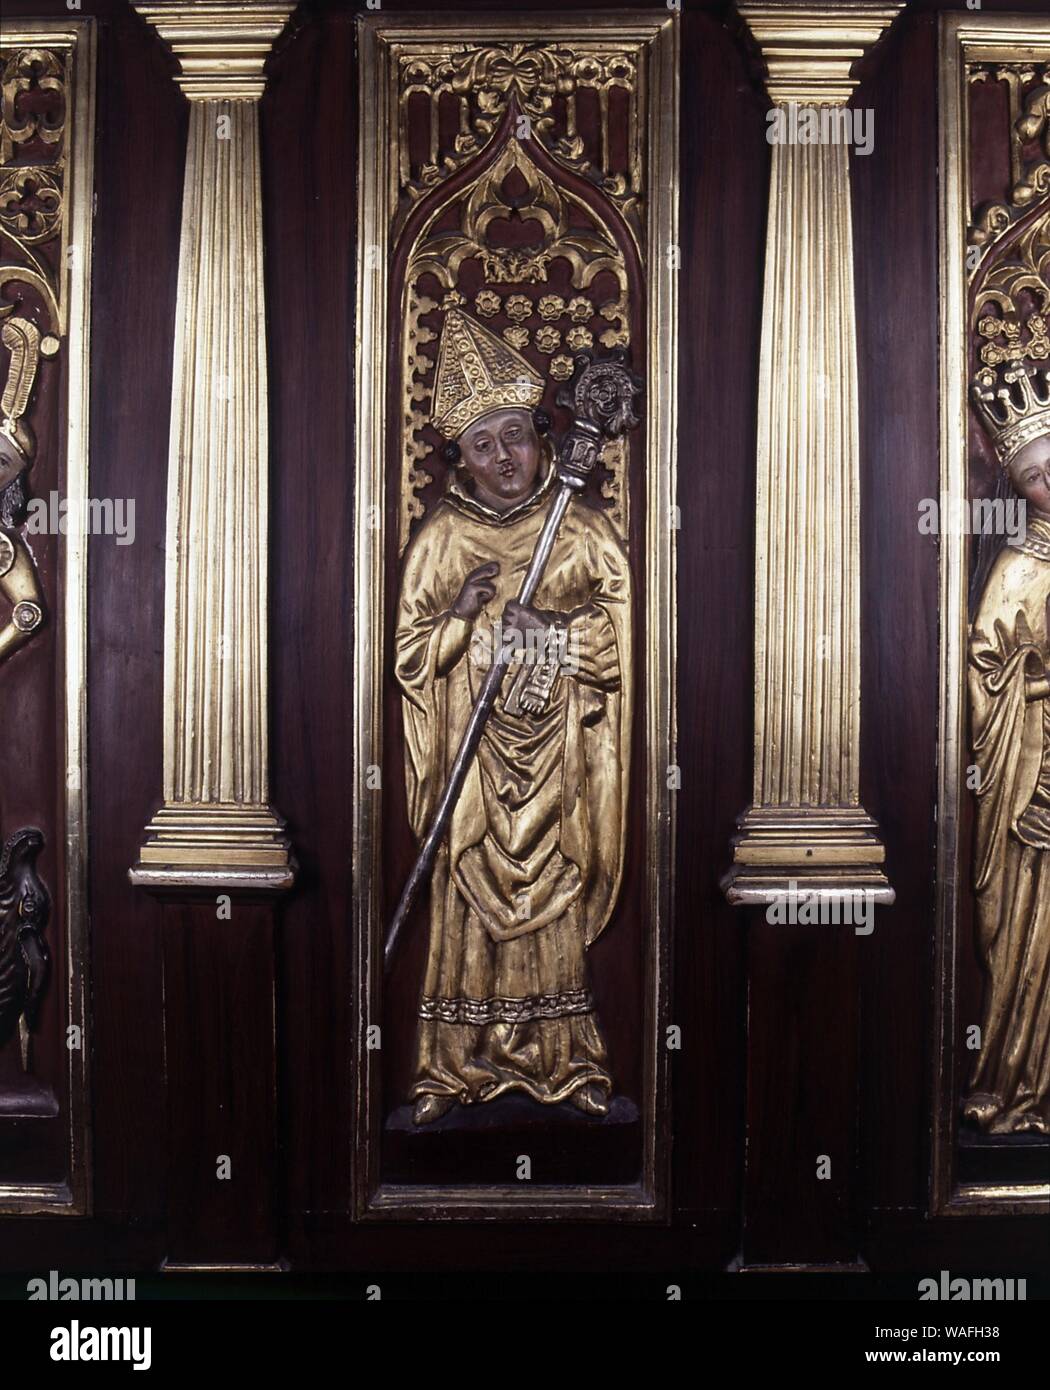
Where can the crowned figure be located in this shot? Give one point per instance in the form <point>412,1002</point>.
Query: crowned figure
<point>1009,674</point>
<point>531,864</point>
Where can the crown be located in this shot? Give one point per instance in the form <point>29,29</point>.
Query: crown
<point>477,373</point>
<point>1014,406</point>
<point>1011,390</point>
<point>1010,393</point>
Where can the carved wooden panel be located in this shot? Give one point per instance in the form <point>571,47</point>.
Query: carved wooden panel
<point>45,253</point>
<point>517,222</point>
<point>992,1143</point>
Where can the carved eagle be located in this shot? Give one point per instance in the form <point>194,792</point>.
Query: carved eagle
<point>25,906</point>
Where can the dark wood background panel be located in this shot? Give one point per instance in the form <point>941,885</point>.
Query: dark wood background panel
<point>989,114</point>
<point>309,154</point>
<point>722,231</point>
<point>219,1055</point>
<point>800,1200</point>
<point>139,154</point>
<point>895,203</point>
<point>834,1038</point>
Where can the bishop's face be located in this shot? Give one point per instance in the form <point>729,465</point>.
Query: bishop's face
<point>1030,474</point>
<point>501,452</point>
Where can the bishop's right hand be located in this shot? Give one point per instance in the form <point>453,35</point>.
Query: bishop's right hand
<point>478,589</point>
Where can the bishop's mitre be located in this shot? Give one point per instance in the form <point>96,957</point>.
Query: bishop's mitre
<point>478,373</point>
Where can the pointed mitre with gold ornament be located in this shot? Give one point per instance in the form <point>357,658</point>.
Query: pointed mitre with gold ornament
<point>477,374</point>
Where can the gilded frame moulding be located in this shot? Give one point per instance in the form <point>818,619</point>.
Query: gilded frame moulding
<point>69,300</point>
<point>652,41</point>
<point>967,41</point>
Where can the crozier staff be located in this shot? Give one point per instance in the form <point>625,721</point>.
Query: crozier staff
<point>529,870</point>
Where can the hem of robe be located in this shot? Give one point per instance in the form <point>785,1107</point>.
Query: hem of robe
<point>544,1096</point>
<point>486,1067</point>
<point>502,1009</point>
<point>993,1115</point>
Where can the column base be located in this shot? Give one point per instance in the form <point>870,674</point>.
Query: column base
<point>215,846</point>
<point>819,851</point>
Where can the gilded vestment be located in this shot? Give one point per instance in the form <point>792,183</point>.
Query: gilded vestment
<point>532,861</point>
<point>1010,700</point>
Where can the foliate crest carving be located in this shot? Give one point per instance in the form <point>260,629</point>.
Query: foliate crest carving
<point>1018,274</point>
<point>1028,95</point>
<point>538,265</point>
<point>34,94</point>
<point>472,88</point>
<point>34,83</point>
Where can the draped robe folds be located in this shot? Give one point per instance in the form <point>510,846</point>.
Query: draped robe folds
<point>530,868</point>
<point>1010,700</point>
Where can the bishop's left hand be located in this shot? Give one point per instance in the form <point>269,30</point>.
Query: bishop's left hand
<point>522,617</point>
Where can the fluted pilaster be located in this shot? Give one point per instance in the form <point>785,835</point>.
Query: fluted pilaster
<point>806,824</point>
<point>216,826</point>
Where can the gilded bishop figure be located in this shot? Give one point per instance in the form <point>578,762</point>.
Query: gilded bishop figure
<point>1010,699</point>
<point>531,865</point>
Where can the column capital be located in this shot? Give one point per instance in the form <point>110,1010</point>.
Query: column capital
<point>221,46</point>
<point>810,49</point>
